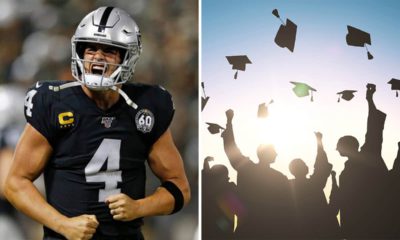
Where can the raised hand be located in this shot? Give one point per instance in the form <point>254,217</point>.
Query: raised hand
<point>229,115</point>
<point>371,89</point>
<point>206,164</point>
<point>209,159</point>
<point>318,135</point>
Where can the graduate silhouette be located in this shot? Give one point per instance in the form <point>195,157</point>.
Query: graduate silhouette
<point>263,191</point>
<point>312,208</point>
<point>363,180</point>
<point>218,194</point>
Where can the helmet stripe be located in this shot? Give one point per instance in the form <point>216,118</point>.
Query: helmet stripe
<point>104,19</point>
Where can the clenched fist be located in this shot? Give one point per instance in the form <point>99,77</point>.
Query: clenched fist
<point>81,227</point>
<point>122,207</point>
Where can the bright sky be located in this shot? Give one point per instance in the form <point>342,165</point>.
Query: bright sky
<point>321,58</point>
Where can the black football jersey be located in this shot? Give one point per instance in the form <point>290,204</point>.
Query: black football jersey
<point>97,153</point>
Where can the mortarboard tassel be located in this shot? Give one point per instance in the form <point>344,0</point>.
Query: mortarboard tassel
<point>338,100</point>
<point>312,97</point>
<point>370,57</point>
<point>275,13</point>
<point>236,73</point>
<point>397,93</point>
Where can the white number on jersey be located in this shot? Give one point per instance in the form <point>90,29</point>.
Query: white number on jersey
<point>28,102</point>
<point>109,150</point>
<point>145,120</point>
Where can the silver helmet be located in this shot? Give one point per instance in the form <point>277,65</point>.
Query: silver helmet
<point>111,26</point>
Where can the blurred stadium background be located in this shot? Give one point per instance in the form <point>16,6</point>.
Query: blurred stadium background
<point>35,45</point>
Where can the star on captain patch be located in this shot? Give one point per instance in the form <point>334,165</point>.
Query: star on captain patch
<point>107,121</point>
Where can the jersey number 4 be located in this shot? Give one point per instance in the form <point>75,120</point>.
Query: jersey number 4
<point>28,102</point>
<point>108,151</point>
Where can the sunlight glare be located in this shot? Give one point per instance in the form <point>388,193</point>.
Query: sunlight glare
<point>289,129</point>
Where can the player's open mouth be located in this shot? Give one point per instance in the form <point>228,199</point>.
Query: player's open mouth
<point>98,69</point>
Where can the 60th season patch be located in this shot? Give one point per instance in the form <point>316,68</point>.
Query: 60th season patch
<point>144,120</point>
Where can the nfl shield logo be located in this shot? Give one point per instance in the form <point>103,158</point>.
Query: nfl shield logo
<point>107,121</point>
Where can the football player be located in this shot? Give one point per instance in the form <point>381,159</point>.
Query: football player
<point>91,138</point>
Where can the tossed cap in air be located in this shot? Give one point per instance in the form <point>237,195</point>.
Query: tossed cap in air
<point>238,63</point>
<point>263,110</point>
<point>286,35</point>
<point>395,85</point>
<point>214,128</point>
<point>346,95</point>
<point>303,89</point>
<point>358,38</point>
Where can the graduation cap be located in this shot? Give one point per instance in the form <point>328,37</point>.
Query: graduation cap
<point>358,38</point>
<point>263,110</point>
<point>204,98</point>
<point>238,63</point>
<point>286,35</point>
<point>303,89</point>
<point>214,128</point>
<point>395,85</point>
<point>346,95</point>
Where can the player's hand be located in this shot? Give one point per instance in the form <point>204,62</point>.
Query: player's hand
<point>81,227</point>
<point>122,207</point>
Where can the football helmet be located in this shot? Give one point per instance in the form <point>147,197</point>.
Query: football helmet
<point>110,26</point>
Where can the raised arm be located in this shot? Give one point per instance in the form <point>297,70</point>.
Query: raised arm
<point>396,164</point>
<point>334,196</point>
<point>166,163</point>
<point>372,147</point>
<point>371,89</point>
<point>30,158</point>
<point>206,164</point>
<point>322,168</point>
<point>232,151</point>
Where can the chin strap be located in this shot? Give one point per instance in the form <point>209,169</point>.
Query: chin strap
<point>125,96</point>
<point>114,88</point>
<point>64,86</point>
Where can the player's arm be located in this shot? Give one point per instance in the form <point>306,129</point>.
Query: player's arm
<point>30,158</point>
<point>166,163</point>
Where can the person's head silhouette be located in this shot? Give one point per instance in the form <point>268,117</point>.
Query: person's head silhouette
<point>347,146</point>
<point>266,154</point>
<point>220,173</point>
<point>298,168</point>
